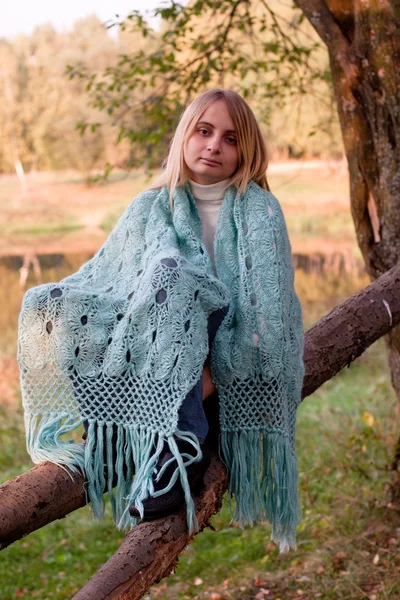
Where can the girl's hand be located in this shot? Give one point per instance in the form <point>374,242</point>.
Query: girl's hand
<point>208,384</point>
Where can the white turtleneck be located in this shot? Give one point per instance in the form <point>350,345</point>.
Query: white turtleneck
<point>208,200</point>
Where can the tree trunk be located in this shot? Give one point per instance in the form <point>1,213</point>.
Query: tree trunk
<point>363,41</point>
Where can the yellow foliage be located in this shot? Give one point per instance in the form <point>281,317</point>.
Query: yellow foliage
<point>368,419</point>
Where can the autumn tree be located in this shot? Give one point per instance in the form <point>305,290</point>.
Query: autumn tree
<point>363,42</point>
<point>147,89</point>
<point>40,107</point>
<point>10,123</point>
<point>43,113</point>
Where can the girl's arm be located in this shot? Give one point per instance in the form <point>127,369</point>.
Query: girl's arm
<point>208,384</point>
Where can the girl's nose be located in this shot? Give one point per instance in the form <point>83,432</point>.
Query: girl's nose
<point>214,145</point>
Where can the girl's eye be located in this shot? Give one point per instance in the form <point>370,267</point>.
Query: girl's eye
<point>203,131</point>
<point>231,140</point>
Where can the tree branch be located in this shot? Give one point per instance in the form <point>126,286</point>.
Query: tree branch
<point>350,328</point>
<point>40,496</point>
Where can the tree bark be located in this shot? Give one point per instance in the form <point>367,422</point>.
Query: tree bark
<point>40,496</point>
<point>365,64</point>
<point>346,331</point>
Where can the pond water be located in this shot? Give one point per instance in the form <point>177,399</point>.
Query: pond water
<point>15,279</point>
<point>322,281</point>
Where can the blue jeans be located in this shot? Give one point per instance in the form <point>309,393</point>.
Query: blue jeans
<point>191,415</point>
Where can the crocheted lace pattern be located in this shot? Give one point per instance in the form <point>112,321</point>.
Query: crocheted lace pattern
<point>122,341</point>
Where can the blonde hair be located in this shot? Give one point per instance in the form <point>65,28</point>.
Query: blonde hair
<point>252,151</point>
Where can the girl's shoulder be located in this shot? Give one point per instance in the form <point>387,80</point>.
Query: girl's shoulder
<point>145,199</point>
<point>255,189</point>
<point>260,198</point>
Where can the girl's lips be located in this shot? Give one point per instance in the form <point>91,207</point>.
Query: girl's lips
<point>210,162</point>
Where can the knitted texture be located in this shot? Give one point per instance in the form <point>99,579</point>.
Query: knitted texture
<point>121,342</point>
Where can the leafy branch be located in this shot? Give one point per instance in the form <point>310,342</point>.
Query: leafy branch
<point>248,43</point>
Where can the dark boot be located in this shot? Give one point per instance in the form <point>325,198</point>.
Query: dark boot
<point>171,501</point>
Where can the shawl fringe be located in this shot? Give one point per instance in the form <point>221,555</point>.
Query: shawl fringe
<point>262,469</point>
<point>121,465</point>
<point>44,443</point>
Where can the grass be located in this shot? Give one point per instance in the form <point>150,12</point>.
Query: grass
<point>57,560</point>
<point>337,227</point>
<point>45,228</point>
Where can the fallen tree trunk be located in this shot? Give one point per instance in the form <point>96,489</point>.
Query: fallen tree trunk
<point>334,341</point>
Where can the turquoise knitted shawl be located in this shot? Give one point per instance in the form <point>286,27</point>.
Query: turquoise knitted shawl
<point>121,342</point>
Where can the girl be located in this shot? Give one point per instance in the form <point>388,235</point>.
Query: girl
<point>191,293</point>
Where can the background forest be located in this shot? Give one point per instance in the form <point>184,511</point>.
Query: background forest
<point>42,106</point>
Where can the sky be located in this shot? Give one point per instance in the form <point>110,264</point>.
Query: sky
<point>22,16</point>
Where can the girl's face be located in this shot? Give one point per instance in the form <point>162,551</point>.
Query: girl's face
<point>211,152</point>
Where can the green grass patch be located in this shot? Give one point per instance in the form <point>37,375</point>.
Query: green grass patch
<point>45,228</point>
<point>56,561</point>
<point>14,458</point>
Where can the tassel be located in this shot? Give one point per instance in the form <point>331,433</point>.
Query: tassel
<point>94,468</point>
<point>263,476</point>
<point>148,456</point>
<point>110,467</point>
<point>43,443</point>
